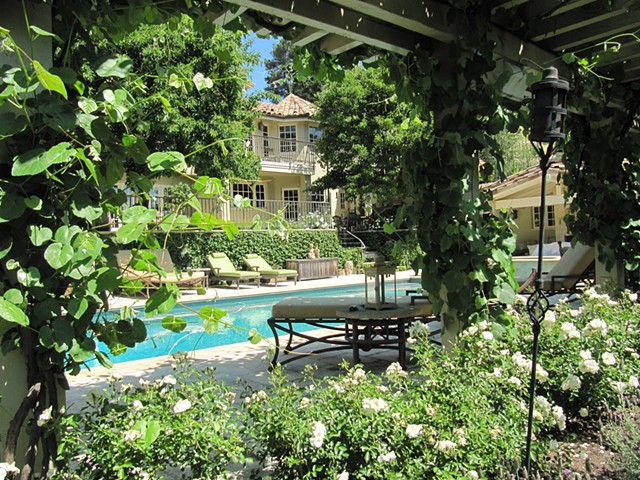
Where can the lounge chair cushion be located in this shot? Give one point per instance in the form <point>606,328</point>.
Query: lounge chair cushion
<point>568,270</point>
<point>259,264</point>
<point>326,307</point>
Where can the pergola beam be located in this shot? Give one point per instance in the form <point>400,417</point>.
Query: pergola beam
<point>333,19</point>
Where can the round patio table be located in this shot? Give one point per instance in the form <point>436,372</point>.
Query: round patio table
<point>367,329</point>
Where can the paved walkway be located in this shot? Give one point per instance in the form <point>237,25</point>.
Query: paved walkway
<point>232,362</point>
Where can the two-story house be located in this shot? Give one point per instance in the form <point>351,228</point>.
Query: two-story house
<point>283,139</point>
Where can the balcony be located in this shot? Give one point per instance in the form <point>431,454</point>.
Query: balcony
<point>284,156</point>
<point>263,209</point>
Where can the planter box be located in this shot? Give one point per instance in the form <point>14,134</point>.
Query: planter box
<point>310,268</point>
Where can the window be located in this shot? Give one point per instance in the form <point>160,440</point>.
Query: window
<point>341,200</point>
<point>551,216</point>
<point>255,193</point>
<point>288,138</point>
<point>317,198</point>
<point>291,197</point>
<point>265,140</point>
<point>314,134</point>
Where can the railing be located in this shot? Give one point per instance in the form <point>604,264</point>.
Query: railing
<point>263,209</point>
<point>292,155</point>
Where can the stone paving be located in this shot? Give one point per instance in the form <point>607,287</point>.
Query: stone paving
<point>232,362</point>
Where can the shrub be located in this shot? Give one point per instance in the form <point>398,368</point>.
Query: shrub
<point>182,422</point>
<point>621,432</point>
<point>191,249</point>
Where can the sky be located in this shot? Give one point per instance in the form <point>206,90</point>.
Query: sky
<point>263,47</point>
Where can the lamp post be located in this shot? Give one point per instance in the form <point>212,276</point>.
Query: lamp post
<point>547,127</point>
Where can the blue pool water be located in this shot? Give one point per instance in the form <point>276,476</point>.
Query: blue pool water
<point>245,313</point>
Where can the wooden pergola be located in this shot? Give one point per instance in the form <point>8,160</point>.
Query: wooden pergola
<point>526,33</point>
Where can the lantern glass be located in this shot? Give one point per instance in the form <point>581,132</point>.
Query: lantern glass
<point>380,287</point>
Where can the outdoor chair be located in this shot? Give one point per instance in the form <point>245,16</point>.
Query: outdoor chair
<point>223,270</point>
<point>183,279</point>
<point>258,264</point>
<point>574,267</point>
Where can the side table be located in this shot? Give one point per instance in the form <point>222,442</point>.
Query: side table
<point>207,272</point>
<point>367,329</point>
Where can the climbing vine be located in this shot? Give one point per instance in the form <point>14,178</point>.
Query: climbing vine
<point>602,169</point>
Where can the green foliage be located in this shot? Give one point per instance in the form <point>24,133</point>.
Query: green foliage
<point>180,422</point>
<point>517,155</point>
<point>191,94</point>
<point>458,412</point>
<point>191,249</point>
<point>621,432</point>
<point>282,78</point>
<point>65,147</point>
<point>602,169</point>
<point>365,131</point>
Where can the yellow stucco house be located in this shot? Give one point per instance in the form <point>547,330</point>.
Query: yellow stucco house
<point>284,138</point>
<point>520,194</point>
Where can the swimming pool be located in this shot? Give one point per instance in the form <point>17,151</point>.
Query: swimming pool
<point>245,313</point>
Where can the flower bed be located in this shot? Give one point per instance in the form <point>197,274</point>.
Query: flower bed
<point>460,414</point>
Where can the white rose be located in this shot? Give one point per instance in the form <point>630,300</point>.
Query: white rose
<point>446,446</point>
<point>608,358</point>
<point>182,406</point>
<point>169,380</point>
<point>572,382</point>
<point>589,366</point>
<point>6,468</point>
<point>319,431</point>
<point>414,431</point>
<point>387,457</point>
<point>473,475</point>
<point>137,406</point>
<point>132,435</point>
<point>633,382</point>
<point>373,405</point>
<point>487,335</point>
<point>343,476</point>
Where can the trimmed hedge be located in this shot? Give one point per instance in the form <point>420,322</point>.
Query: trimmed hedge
<point>191,249</point>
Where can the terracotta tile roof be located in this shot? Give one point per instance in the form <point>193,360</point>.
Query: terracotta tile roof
<point>290,106</point>
<point>517,178</point>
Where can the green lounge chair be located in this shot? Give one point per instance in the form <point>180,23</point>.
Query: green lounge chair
<point>258,264</point>
<point>223,270</point>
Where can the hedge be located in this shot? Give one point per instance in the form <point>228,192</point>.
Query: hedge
<point>190,250</point>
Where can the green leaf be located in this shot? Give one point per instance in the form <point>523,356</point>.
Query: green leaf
<point>453,280</point>
<point>44,33</point>
<point>39,235</point>
<point>113,66</point>
<point>58,255</point>
<point>389,228</point>
<point>103,359</point>
<point>505,293</point>
<point>161,161</point>
<point>162,300</point>
<point>11,313</point>
<point>254,337</point>
<point>201,82</point>
<point>139,330</point>
<point>5,247</point>
<point>130,232</point>
<point>34,203</point>
<point>77,307</point>
<point>14,296</point>
<point>80,352</point>
<point>37,161</point>
<point>152,433</point>
<point>139,214</point>
<point>29,277</point>
<point>12,206</point>
<point>174,324</point>
<point>10,124</point>
<point>51,82</point>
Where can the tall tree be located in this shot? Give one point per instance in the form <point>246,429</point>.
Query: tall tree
<point>195,102</point>
<point>283,79</point>
<point>365,130</point>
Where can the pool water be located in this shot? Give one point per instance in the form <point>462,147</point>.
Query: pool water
<point>245,313</point>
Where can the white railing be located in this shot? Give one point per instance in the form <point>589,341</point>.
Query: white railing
<point>292,155</point>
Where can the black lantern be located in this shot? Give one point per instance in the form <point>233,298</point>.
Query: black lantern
<point>547,126</point>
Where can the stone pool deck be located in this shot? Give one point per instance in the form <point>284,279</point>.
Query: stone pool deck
<point>241,361</point>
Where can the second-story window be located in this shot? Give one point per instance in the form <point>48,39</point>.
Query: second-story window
<point>551,216</point>
<point>265,140</point>
<point>315,134</point>
<point>288,138</point>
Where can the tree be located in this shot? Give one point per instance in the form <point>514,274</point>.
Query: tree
<point>283,79</point>
<point>517,155</point>
<point>192,94</point>
<point>365,131</point>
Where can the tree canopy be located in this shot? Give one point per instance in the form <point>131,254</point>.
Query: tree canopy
<point>365,132</point>
<point>192,94</point>
<point>283,78</point>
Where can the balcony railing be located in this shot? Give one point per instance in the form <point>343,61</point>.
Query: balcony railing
<point>279,154</point>
<point>263,209</point>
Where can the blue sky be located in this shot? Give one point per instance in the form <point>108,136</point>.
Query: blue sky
<point>263,47</point>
